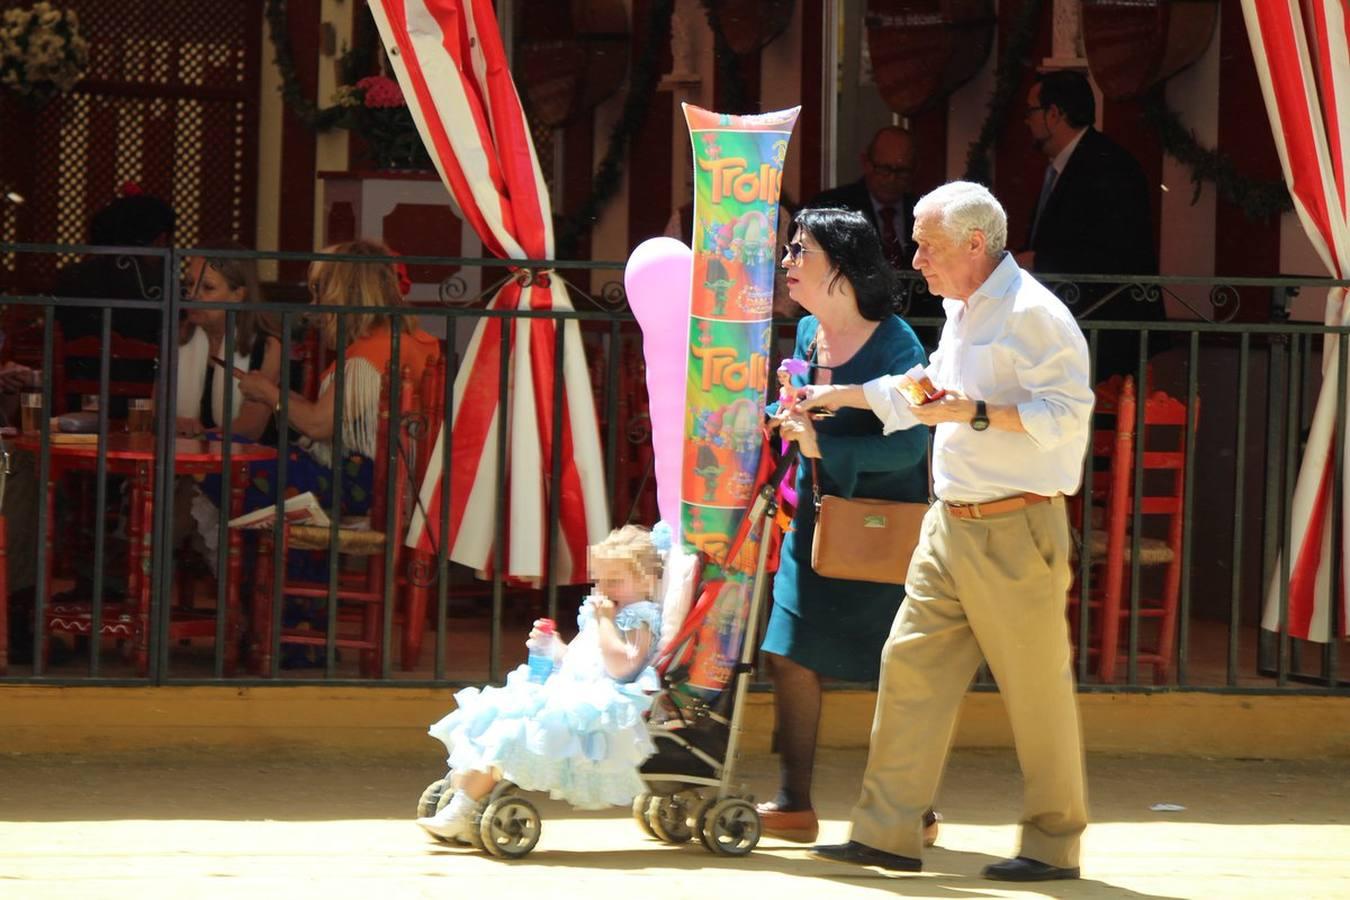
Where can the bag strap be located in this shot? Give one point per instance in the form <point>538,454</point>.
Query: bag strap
<point>811,353</point>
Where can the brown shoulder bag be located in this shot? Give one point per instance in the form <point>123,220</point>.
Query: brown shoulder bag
<point>863,540</point>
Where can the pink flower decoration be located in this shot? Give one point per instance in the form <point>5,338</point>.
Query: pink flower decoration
<point>380,92</point>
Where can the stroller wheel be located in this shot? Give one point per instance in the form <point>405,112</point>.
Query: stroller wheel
<point>640,804</point>
<point>669,819</point>
<point>509,828</point>
<point>429,803</point>
<point>731,827</point>
<point>701,822</point>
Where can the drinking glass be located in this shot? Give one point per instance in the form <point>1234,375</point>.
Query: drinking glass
<point>140,415</point>
<point>30,407</point>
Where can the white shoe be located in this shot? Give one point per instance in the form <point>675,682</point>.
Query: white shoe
<point>453,820</point>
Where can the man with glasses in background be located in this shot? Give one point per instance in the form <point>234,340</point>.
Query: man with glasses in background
<point>883,195</point>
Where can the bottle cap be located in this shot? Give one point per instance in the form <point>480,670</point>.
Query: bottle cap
<point>546,626</point>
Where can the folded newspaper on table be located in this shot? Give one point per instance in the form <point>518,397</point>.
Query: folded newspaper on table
<point>302,509</point>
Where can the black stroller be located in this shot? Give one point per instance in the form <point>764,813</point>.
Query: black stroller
<point>696,718</point>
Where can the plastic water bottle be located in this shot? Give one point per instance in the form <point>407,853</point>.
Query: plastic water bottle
<point>541,651</point>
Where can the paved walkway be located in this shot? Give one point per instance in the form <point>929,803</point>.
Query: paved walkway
<point>286,826</point>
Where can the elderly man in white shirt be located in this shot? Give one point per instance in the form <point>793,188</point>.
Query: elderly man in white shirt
<point>991,573</point>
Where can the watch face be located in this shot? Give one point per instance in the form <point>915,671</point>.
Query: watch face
<point>981,419</point>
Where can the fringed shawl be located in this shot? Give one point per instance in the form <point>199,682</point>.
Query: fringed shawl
<point>366,360</point>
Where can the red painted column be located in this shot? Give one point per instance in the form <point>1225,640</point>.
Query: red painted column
<point>1243,246</point>
<point>930,148</point>
<point>809,124</point>
<point>648,163</point>
<point>296,227</point>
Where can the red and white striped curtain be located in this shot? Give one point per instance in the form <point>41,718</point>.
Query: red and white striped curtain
<point>1302,53</point>
<point>449,60</point>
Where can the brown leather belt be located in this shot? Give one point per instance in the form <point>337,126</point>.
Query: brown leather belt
<point>994,507</point>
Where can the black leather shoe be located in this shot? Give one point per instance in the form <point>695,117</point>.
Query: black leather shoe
<point>863,855</point>
<point>1024,868</point>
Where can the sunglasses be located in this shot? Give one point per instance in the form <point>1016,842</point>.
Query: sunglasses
<point>794,250</point>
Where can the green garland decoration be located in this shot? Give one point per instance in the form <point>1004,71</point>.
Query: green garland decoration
<point>1259,199</point>
<point>1013,61</point>
<point>354,63</point>
<point>728,63</point>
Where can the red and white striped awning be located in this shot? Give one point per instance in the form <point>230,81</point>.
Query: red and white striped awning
<point>1302,53</point>
<point>449,60</point>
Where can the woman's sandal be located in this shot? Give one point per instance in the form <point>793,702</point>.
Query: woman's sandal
<point>797,825</point>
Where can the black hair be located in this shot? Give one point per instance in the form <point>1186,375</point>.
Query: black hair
<point>134,221</point>
<point>1070,91</point>
<point>854,249</point>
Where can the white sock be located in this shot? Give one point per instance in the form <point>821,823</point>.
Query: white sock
<point>453,819</point>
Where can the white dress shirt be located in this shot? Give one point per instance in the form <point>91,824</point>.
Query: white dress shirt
<point>1062,157</point>
<point>1012,342</point>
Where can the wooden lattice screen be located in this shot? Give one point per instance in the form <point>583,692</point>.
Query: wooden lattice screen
<point>170,102</point>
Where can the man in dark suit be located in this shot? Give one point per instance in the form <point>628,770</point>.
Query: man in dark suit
<point>1092,215</point>
<point>882,195</point>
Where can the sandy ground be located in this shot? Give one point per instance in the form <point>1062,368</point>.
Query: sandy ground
<point>178,825</point>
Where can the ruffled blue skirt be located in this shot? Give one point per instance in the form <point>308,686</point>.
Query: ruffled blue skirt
<point>581,741</point>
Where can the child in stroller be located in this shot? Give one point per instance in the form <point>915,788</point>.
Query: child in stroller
<point>688,787</point>
<point>579,735</point>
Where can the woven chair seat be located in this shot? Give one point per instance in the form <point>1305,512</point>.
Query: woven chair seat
<point>356,541</point>
<point>1152,551</point>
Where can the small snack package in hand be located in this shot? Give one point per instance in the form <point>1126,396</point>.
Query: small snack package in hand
<point>916,387</point>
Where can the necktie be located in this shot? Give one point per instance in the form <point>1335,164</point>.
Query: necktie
<point>890,239</point>
<point>1047,188</point>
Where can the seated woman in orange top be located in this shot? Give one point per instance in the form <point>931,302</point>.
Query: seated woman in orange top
<point>368,352</point>
<point>365,359</point>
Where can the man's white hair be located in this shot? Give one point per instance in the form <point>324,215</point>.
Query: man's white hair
<point>967,207</point>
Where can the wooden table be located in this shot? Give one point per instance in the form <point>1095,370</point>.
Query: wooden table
<point>134,456</point>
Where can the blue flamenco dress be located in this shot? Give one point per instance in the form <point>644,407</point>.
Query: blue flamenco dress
<point>579,735</point>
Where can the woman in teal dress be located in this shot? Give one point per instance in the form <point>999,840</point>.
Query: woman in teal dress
<point>827,627</point>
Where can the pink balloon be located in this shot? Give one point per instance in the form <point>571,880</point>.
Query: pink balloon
<point>657,280</point>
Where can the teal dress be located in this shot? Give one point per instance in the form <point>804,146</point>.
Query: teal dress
<point>833,626</point>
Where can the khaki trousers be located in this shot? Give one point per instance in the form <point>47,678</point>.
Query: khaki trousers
<point>993,587</point>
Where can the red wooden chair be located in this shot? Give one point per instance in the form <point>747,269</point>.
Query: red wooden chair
<point>1112,449</point>
<point>1166,421</point>
<point>360,594</point>
<point>419,574</point>
<point>127,620</point>
<point>91,347</point>
<point>4,600</point>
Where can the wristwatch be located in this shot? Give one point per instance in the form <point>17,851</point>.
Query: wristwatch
<point>981,420</point>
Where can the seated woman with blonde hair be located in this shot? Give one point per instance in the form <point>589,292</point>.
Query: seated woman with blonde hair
<point>365,358</point>
<point>366,355</point>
